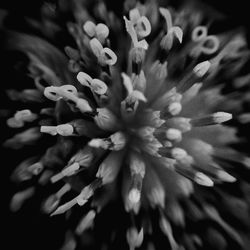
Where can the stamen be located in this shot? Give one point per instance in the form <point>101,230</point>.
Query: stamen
<point>134,15</point>
<point>87,192</point>
<point>64,189</point>
<point>199,35</point>
<point>166,98</point>
<point>146,132</point>
<point>115,142</point>
<point>224,176</point>
<point>152,147</point>
<point>175,108</point>
<point>139,81</point>
<point>102,32</point>
<point>215,118</point>
<point>137,57</point>
<point>134,238</point>
<point>244,118</point>
<point>134,196</point>
<point>172,31</point>
<point>167,230</point>
<point>83,157</point>
<point>203,180</point>
<point>179,153</point>
<point>156,120</point>
<point>129,107</point>
<point>140,23</point>
<point>143,27</point>
<point>167,144</point>
<point>90,28</point>
<point>53,200</point>
<point>36,168</point>
<point>167,16</point>
<point>157,196</point>
<point>177,31</point>
<point>63,129</point>
<point>137,170</point>
<point>191,92</point>
<point>137,165</point>
<point>167,41</point>
<point>20,118</point>
<point>202,68</point>
<point>138,95</point>
<point>105,56</point>
<point>14,123</point>
<point>68,171</point>
<point>96,85</point>
<point>99,87</point>
<point>83,105</point>
<point>131,30</point>
<point>108,57</point>
<point>84,79</point>
<point>27,137</point>
<point>25,115</point>
<point>68,92</point>
<point>159,69</point>
<point>221,117</point>
<point>127,83</point>
<point>174,134</point>
<point>181,123</point>
<point>118,140</point>
<point>19,198</point>
<point>86,222</point>
<point>51,203</point>
<point>96,47</point>
<point>110,167</point>
<point>49,130</point>
<point>65,207</point>
<point>99,143</point>
<point>202,147</point>
<point>130,104</point>
<point>52,93</point>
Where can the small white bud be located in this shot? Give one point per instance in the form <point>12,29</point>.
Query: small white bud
<point>221,117</point>
<point>173,134</point>
<point>202,68</point>
<point>65,129</point>
<point>203,179</point>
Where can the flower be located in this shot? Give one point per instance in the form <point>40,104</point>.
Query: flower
<point>137,115</point>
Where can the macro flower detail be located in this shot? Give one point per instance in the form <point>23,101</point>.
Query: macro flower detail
<point>135,121</point>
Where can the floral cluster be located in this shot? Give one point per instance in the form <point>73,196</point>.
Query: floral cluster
<point>136,114</point>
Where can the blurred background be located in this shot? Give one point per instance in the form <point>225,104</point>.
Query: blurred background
<point>26,229</point>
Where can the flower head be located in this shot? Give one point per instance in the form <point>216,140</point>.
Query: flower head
<point>138,120</point>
